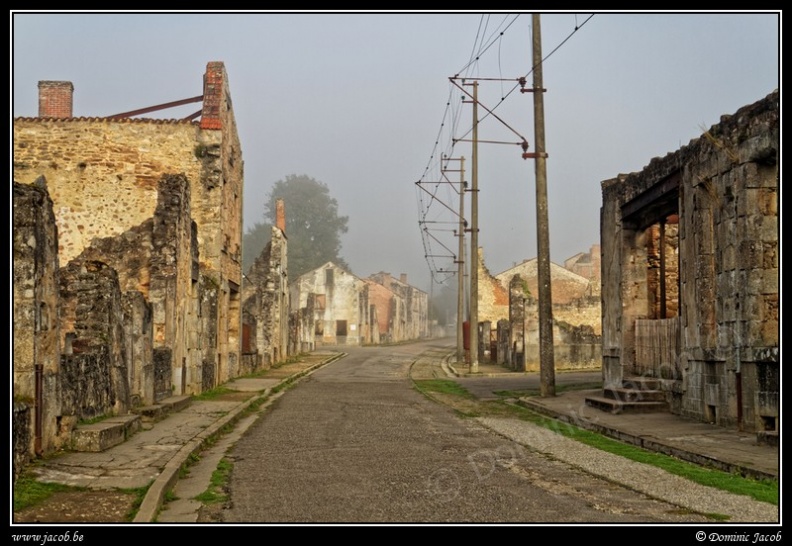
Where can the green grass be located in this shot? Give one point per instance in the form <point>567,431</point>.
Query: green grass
<point>29,492</point>
<point>184,469</point>
<point>213,394</point>
<point>140,494</point>
<point>558,389</point>
<point>762,490</point>
<point>92,420</point>
<point>215,494</point>
<point>443,386</point>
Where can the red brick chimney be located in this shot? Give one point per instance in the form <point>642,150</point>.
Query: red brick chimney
<point>280,215</point>
<point>213,96</point>
<point>55,99</point>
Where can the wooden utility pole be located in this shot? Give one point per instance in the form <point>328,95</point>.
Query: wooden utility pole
<point>461,265</point>
<point>546,357</point>
<point>474,262</point>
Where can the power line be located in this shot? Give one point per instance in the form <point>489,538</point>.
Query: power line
<point>451,118</point>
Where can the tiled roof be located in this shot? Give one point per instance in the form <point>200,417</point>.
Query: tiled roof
<point>114,120</point>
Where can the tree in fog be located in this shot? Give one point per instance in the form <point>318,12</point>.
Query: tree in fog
<point>313,225</point>
<point>444,303</point>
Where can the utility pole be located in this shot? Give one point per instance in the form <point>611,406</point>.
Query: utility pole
<point>546,358</point>
<point>474,261</point>
<point>461,265</point>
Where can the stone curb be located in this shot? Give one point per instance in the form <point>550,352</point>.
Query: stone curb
<point>166,480</point>
<point>647,443</point>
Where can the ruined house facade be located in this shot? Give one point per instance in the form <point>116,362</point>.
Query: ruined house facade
<point>342,314</point>
<point>509,317</point>
<point>690,273</point>
<point>348,310</point>
<point>137,279</point>
<point>589,266</point>
<point>407,310</point>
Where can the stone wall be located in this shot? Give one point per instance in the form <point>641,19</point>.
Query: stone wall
<point>265,304</point>
<point>493,303</point>
<point>139,356</point>
<point>723,187</point>
<point>21,426</point>
<point>156,260</point>
<point>512,296</point>
<point>36,339</point>
<point>102,175</point>
<point>93,374</point>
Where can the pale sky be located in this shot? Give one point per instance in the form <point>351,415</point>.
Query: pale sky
<point>357,100</point>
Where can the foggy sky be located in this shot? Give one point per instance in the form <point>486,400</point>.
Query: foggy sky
<point>357,100</point>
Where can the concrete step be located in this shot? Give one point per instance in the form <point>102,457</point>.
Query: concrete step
<point>157,411</point>
<point>619,406</point>
<point>767,438</point>
<point>641,383</point>
<point>97,437</point>
<point>634,395</point>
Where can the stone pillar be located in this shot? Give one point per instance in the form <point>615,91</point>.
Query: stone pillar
<point>517,297</point>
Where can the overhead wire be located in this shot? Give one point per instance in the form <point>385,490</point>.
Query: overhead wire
<point>480,46</point>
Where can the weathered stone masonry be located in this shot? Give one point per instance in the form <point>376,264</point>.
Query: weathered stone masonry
<point>35,319</point>
<point>103,176</point>
<point>146,221</point>
<point>717,324</point>
<point>265,308</point>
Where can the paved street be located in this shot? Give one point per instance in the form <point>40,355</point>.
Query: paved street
<point>355,443</point>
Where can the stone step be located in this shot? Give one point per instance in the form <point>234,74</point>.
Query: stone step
<point>97,437</point>
<point>634,395</point>
<point>157,411</point>
<point>767,438</point>
<point>641,383</point>
<point>619,406</point>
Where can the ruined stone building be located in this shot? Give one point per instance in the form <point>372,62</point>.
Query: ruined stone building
<point>348,310</point>
<point>405,315</point>
<point>589,266</point>
<point>266,334</point>
<point>127,282</point>
<point>509,316</point>
<point>690,273</point>
<point>342,314</point>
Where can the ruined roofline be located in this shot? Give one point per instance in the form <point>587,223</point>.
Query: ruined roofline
<point>155,121</point>
<point>394,280</point>
<point>728,124</point>
<point>556,271</point>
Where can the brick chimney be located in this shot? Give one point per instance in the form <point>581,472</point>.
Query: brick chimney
<point>403,278</point>
<point>214,92</point>
<point>280,215</point>
<point>55,99</point>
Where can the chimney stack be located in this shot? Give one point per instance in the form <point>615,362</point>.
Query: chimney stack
<point>403,278</point>
<point>214,96</point>
<point>55,99</point>
<point>280,215</point>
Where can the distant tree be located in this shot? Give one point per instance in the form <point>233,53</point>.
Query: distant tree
<point>313,226</point>
<point>444,303</point>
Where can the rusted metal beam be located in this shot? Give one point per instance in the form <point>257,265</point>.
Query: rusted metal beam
<point>155,108</point>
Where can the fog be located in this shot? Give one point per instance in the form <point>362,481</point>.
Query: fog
<point>363,103</point>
